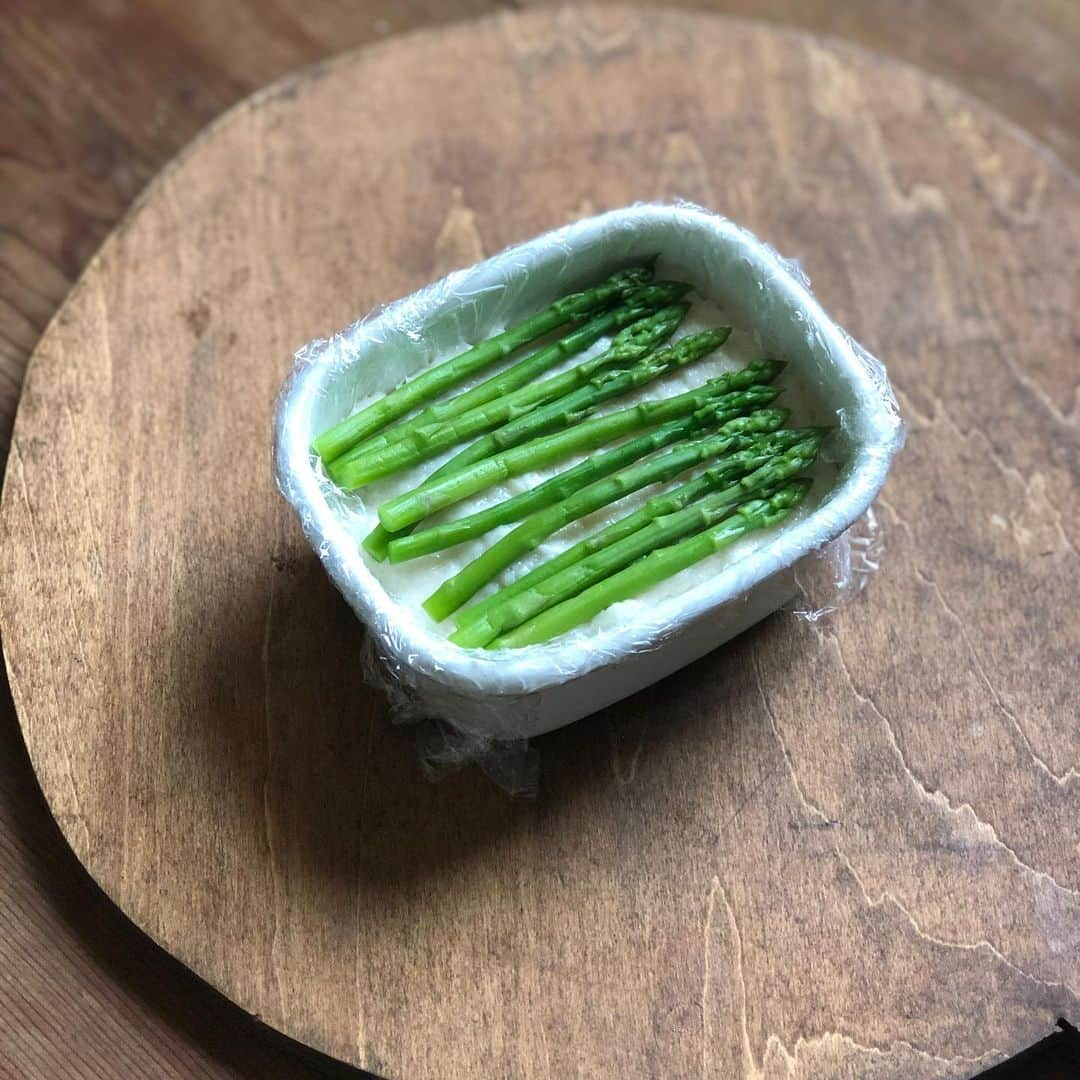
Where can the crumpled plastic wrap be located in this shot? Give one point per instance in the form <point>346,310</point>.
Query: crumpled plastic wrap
<point>484,706</point>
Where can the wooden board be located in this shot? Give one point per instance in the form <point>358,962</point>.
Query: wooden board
<point>843,847</point>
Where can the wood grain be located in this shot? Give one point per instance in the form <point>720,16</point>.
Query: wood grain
<point>882,809</point>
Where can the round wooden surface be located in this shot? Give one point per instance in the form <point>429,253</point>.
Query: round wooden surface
<point>830,850</point>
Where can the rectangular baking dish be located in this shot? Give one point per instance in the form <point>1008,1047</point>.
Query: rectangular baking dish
<point>520,693</point>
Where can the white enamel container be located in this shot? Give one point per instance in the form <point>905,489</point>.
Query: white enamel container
<point>519,693</point>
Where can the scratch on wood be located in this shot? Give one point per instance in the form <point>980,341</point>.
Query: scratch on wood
<point>625,775</point>
<point>751,795</point>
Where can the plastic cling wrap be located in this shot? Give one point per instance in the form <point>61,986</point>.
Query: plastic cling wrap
<point>498,698</point>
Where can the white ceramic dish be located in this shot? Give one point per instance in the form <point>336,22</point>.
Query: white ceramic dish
<point>525,692</point>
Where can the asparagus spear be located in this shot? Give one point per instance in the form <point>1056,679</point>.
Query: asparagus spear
<point>737,433</point>
<point>738,464</point>
<point>432,382</point>
<point>640,302</point>
<point>660,532</point>
<point>571,396</point>
<point>655,567</point>
<point>412,506</point>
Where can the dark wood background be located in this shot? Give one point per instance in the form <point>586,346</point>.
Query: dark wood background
<point>94,98</point>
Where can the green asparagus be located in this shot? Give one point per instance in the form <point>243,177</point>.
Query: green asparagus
<point>641,302</point>
<point>598,494</point>
<point>377,542</point>
<point>540,422</point>
<point>659,532</point>
<point>718,476</point>
<point>413,506</point>
<point>532,532</point>
<point>432,382</point>
<point>560,414</point>
<point>736,432</point>
<point>654,568</point>
<point>570,396</point>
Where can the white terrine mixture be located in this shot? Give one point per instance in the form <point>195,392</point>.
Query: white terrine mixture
<point>410,583</point>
